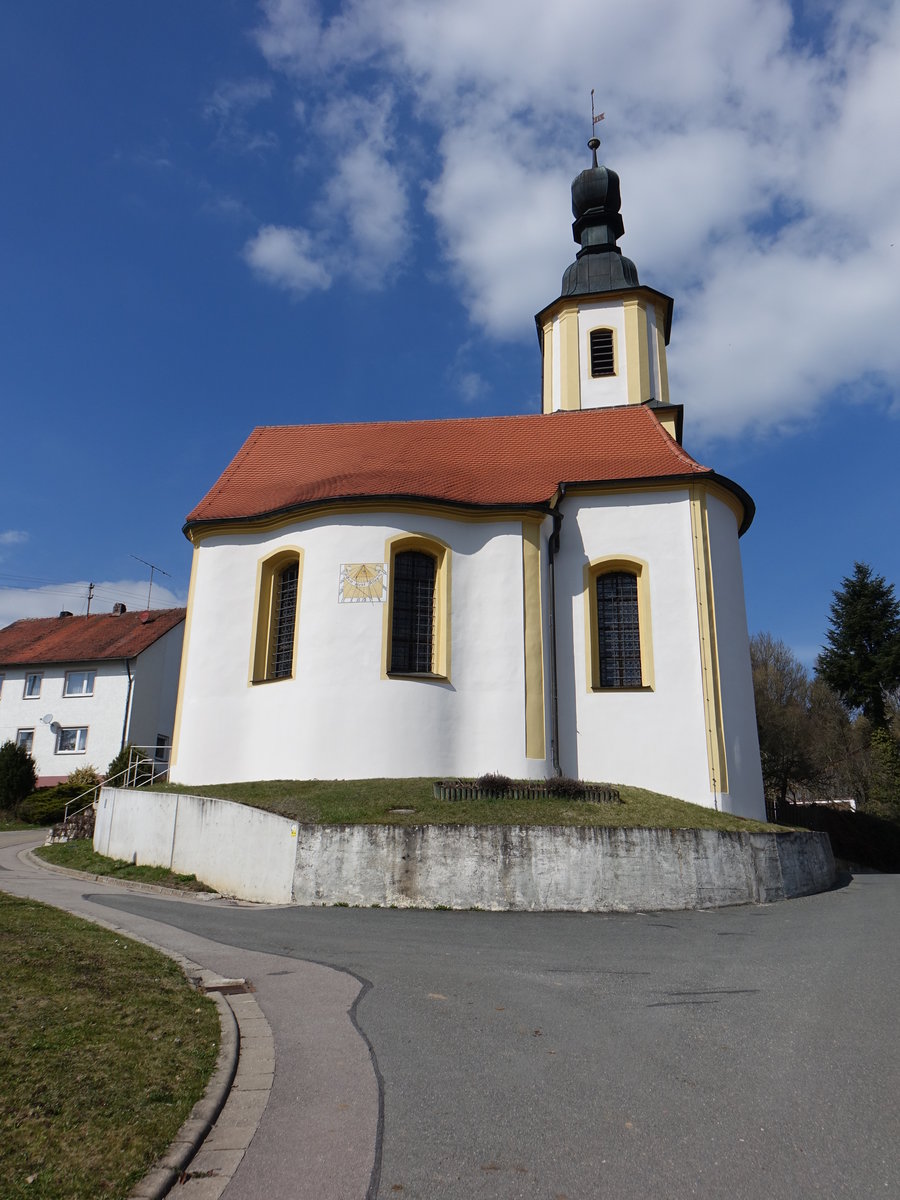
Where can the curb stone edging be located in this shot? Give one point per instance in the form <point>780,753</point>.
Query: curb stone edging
<point>166,1171</point>
<point>235,1013</point>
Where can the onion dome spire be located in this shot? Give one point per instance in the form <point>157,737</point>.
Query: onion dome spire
<point>599,265</point>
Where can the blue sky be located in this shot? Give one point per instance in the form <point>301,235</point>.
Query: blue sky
<point>222,214</point>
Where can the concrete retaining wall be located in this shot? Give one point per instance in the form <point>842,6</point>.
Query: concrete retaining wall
<point>258,856</point>
<point>239,851</point>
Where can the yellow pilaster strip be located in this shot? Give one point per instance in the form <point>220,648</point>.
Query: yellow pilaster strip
<point>709,656</point>
<point>185,645</point>
<point>535,746</point>
<point>632,351</point>
<point>663,396</point>
<point>547,394</point>
<point>569,374</point>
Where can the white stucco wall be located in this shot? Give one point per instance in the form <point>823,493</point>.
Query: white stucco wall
<point>156,689</point>
<point>650,738</point>
<point>102,714</point>
<point>338,718</point>
<point>610,389</point>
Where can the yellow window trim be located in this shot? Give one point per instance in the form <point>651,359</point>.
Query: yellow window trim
<point>267,571</point>
<point>604,566</point>
<point>440,649</point>
<point>615,345</point>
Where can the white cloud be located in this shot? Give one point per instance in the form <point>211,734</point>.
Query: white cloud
<point>760,183</point>
<point>13,537</point>
<point>287,258</point>
<point>51,599</point>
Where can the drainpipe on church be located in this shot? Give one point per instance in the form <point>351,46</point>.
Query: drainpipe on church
<point>553,547</point>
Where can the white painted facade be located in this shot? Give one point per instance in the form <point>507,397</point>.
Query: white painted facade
<point>340,717</point>
<point>117,711</point>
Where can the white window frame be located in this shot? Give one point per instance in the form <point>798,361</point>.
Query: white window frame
<point>80,731</point>
<point>88,678</point>
<point>20,741</point>
<point>26,694</point>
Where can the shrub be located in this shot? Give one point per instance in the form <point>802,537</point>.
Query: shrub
<point>564,787</point>
<point>83,778</point>
<point>144,771</point>
<point>494,784</point>
<point>17,775</point>
<point>45,806</point>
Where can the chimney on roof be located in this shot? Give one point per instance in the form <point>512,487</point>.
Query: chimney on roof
<point>119,608</point>
<point>65,613</point>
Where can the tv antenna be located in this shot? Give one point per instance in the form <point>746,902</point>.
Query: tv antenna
<point>153,567</point>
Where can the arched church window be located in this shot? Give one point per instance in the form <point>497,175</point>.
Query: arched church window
<point>619,648</point>
<point>618,630</point>
<point>413,612</point>
<point>417,620</point>
<point>275,631</point>
<point>284,620</point>
<point>603,353</point>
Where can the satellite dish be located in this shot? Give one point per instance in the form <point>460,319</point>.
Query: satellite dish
<point>47,718</point>
<point>54,726</point>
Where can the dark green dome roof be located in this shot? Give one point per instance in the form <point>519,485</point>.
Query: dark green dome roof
<point>599,265</point>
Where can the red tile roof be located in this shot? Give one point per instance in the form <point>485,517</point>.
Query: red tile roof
<point>84,639</point>
<point>485,461</point>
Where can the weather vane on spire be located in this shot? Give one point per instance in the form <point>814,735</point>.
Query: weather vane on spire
<point>595,118</point>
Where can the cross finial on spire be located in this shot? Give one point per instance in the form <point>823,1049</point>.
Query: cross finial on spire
<point>594,143</point>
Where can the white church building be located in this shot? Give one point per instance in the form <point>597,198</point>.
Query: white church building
<point>552,593</point>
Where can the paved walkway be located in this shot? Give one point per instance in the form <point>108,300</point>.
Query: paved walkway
<point>317,1136</point>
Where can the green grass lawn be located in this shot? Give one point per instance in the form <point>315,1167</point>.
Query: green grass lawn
<point>79,855</point>
<point>105,1048</point>
<point>373,801</point>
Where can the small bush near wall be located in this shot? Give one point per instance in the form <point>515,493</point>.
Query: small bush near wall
<point>500,787</point>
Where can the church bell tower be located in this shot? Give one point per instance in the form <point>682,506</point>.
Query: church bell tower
<point>604,339</point>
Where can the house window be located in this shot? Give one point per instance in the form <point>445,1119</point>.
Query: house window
<point>33,685</point>
<point>79,683</point>
<point>618,630</point>
<point>417,640</point>
<point>275,638</point>
<point>2,677</point>
<point>72,740</point>
<point>603,353</point>
<point>25,739</point>
<point>617,618</point>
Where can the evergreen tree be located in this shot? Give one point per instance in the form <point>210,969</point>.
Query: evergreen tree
<point>17,775</point>
<point>861,661</point>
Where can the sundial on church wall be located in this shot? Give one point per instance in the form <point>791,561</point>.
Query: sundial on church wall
<point>362,583</point>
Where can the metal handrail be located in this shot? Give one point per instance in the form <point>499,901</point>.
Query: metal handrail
<point>135,776</point>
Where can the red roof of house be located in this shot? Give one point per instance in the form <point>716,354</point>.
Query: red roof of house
<point>84,639</point>
<point>485,461</point>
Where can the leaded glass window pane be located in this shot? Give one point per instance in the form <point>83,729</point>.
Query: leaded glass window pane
<point>412,618</point>
<point>284,616</point>
<point>618,630</point>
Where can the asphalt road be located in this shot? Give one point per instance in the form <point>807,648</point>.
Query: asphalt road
<point>742,1053</point>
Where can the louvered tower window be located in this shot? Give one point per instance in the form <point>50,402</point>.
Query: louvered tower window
<point>618,630</point>
<point>413,613</point>
<point>603,358</point>
<point>284,617</point>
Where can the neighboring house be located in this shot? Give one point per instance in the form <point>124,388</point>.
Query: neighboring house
<point>530,594</point>
<point>75,690</point>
